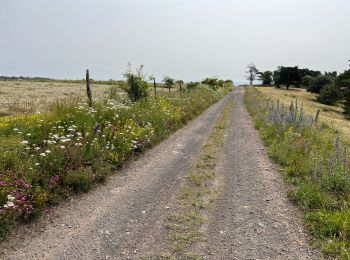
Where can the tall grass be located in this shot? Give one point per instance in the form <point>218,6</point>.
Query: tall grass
<point>45,158</point>
<point>315,162</point>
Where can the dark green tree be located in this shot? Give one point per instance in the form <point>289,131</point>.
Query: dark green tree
<point>276,77</point>
<point>266,77</point>
<point>306,81</point>
<point>318,82</point>
<point>287,76</point>
<point>329,94</point>
<point>343,83</point>
<point>307,72</point>
<point>169,82</point>
<point>332,74</point>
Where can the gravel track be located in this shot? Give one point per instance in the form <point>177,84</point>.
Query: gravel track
<point>123,218</point>
<point>252,219</point>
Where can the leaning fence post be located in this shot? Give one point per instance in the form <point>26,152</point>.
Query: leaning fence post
<point>88,89</point>
<point>317,114</point>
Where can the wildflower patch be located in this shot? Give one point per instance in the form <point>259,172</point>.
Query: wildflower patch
<point>45,158</point>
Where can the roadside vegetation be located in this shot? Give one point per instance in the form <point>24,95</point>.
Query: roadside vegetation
<point>315,161</point>
<point>44,158</point>
<point>198,191</point>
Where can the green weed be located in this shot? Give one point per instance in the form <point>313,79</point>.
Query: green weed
<point>197,192</point>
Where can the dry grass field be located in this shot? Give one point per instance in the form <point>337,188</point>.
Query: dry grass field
<point>332,115</point>
<point>30,97</point>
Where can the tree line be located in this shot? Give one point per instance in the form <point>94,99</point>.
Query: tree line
<point>137,87</point>
<point>330,87</point>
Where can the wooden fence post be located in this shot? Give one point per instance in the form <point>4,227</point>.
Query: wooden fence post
<point>133,92</point>
<point>88,89</point>
<point>155,87</point>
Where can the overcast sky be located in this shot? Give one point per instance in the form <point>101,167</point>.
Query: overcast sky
<point>186,39</point>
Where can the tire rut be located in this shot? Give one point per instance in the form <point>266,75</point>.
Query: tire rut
<point>252,219</point>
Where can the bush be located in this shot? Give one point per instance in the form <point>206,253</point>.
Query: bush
<point>343,83</point>
<point>318,82</point>
<point>192,85</point>
<point>346,97</point>
<point>306,81</point>
<point>136,85</point>
<point>329,94</point>
<point>213,83</point>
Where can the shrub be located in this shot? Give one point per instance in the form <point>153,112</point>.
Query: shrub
<point>329,94</point>
<point>343,83</point>
<point>318,82</point>
<point>136,85</point>
<point>192,85</point>
<point>169,82</point>
<point>306,81</point>
<point>213,83</point>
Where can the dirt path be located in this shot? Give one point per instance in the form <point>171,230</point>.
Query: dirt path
<point>252,219</point>
<point>124,219</point>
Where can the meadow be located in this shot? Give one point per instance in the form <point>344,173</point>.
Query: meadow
<point>28,96</point>
<point>44,158</point>
<point>332,115</point>
<point>314,160</point>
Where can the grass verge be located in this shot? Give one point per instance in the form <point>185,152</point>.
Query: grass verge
<point>184,226</point>
<point>45,158</point>
<point>315,163</point>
